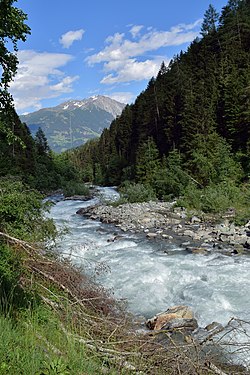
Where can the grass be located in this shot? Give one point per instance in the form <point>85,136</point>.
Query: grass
<point>36,344</point>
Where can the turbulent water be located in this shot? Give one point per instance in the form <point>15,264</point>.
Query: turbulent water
<point>153,276</point>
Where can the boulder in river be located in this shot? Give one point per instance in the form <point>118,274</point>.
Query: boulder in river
<point>176,317</point>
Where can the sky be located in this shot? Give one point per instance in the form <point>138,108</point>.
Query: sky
<point>79,49</point>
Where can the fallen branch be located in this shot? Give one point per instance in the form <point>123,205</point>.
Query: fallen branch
<point>214,368</point>
<point>113,355</point>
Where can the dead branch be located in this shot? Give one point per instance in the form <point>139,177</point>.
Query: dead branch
<point>113,355</point>
<point>214,368</point>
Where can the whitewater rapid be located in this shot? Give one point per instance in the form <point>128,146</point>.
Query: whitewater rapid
<point>153,276</point>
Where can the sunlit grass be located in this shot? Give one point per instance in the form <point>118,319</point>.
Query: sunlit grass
<point>35,344</point>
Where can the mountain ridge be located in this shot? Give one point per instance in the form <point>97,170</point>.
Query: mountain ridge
<point>73,122</point>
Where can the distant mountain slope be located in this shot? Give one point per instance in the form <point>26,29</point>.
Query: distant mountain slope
<point>72,123</point>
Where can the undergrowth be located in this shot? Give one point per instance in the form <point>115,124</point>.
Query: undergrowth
<point>218,200</point>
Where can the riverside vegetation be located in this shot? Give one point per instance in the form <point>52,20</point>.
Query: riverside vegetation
<point>186,136</point>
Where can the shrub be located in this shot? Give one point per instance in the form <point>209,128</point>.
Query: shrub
<point>75,188</point>
<point>215,198</point>
<point>136,192</point>
<point>22,212</point>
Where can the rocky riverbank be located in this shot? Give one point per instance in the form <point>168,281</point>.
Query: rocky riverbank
<point>163,221</point>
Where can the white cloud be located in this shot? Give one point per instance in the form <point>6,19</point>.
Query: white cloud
<point>122,97</point>
<point>39,77</point>
<point>131,70</point>
<point>119,49</point>
<point>70,37</point>
<point>65,85</point>
<point>135,30</point>
<point>124,59</point>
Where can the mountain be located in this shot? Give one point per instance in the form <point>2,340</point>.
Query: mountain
<point>72,123</point>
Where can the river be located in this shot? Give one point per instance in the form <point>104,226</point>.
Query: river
<point>153,276</point>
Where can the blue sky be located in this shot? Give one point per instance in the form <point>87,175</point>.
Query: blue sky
<point>78,48</point>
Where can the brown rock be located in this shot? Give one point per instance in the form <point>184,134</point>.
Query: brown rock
<point>174,317</point>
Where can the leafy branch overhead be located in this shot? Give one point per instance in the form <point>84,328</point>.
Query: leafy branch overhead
<point>12,29</point>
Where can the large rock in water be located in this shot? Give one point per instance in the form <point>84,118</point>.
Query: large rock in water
<point>176,317</point>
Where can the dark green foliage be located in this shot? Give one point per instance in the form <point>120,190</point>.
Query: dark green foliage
<point>212,162</point>
<point>211,18</point>
<point>216,198</point>
<point>147,162</point>
<point>21,212</point>
<point>171,179</point>
<point>132,193</point>
<point>12,29</point>
<point>31,159</point>
<point>17,152</point>
<point>41,143</point>
<point>21,216</point>
<point>75,188</point>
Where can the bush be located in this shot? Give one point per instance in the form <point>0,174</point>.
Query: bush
<point>136,192</point>
<point>75,188</point>
<point>215,198</point>
<point>22,212</point>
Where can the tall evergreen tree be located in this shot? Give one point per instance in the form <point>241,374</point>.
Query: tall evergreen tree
<point>41,142</point>
<point>148,162</point>
<point>209,24</point>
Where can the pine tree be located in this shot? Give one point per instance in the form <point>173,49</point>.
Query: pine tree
<point>41,142</point>
<point>210,21</point>
<point>148,162</point>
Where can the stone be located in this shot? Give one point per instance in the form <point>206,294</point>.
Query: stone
<point>146,220</point>
<point>167,236</point>
<point>246,245</point>
<point>195,220</point>
<point>247,225</point>
<point>197,250</point>
<point>151,235</point>
<point>160,231</point>
<point>188,233</point>
<point>180,317</point>
<point>185,244</point>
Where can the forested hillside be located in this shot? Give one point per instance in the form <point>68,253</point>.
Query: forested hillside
<point>191,124</point>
